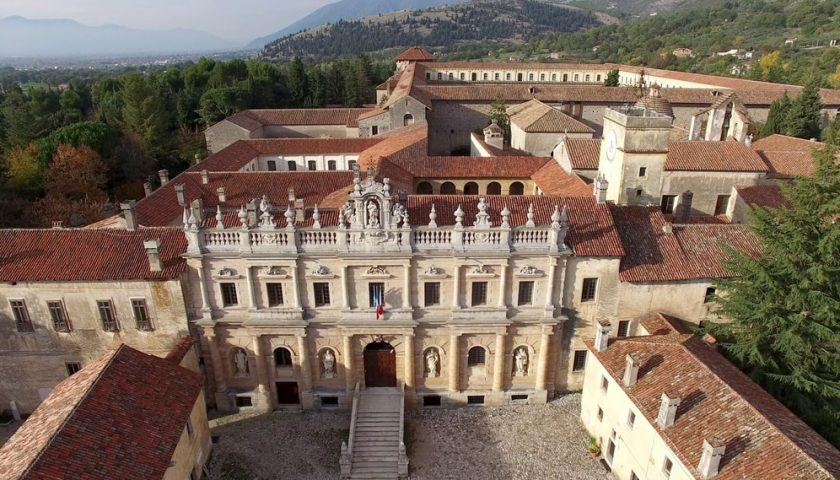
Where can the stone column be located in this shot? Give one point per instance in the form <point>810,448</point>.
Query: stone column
<point>503,285</point>
<point>409,362</point>
<point>349,374</point>
<point>454,372</point>
<point>345,289</point>
<point>407,287</point>
<point>295,285</point>
<point>499,363</point>
<point>264,401</point>
<point>542,368</point>
<point>456,275</point>
<point>305,373</point>
<point>222,402</point>
<point>252,297</point>
<point>205,294</point>
<point>549,294</point>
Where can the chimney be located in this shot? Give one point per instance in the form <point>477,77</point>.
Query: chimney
<point>197,209</point>
<point>222,196</point>
<point>299,210</point>
<point>179,192</point>
<point>710,459</point>
<point>494,136</point>
<point>147,188</point>
<point>668,227</point>
<point>292,195</point>
<point>164,176</point>
<point>602,335</point>
<point>631,369</point>
<point>668,409</point>
<point>153,252</point>
<point>687,200</point>
<point>129,215</point>
<point>57,224</point>
<point>600,189</point>
<point>251,209</point>
<point>197,158</point>
<point>205,177</point>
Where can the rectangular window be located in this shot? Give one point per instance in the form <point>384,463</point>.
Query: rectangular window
<point>586,78</point>
<point>530,76</point>
<point>291,165</point>
<point>600,414</point>
<point>59,318</point>
<point>579,362</point>
<point>189,428</point>
<point>631,420</point>
<point>461,76</point>
<point>542,77</point>
<point>351,165</point>
<point>667,465</point>
<point>605,384</point>
<point>598,78</point>
<point>374,130</point>
<point>642,171</point>
<point>440,76</point>
<point>590,288</point>
<point>507,76</point>
<point>106,314</point>
<point>141,314</point>
<point>623,327</point>
<point>431,401</point>
<point>229,297</point>
<point>376,294</point>
<point>553,77</point>
<point>565,77</point>
<point>272,165</point>
<point>331,165</point>
<point>722,204</point>
<point>72,367</point>
<point>322,294</point>
<point>496,76</point>
<point>479,293</point>
<point>639,192</point>
<point>526,293</point>
<point>475,399</point>
<point>668,203</point>
<point>244,402</point>
<point>22,321</point>
<point>275,294</point>
<point>710,295</point>
<point>485,76</point>
<point>312,165</point>
<point>431,292</point>
<point>451,76</point>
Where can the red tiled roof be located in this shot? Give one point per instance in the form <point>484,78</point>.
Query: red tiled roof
<point>373,113</point>
<point>120,417</point>
<point>537,117</point>
<point>584,153</point>
<point>507,151</point>
<point>661,324</point>
<point>688,252</point>
<point>522,66</point>
<point>88,254</point>
<point>254,119</point>
<point>591,232</point>
<point>763,439</point>
<point>728,156</point>
<point>788,157</point>
<point>769,196</point>
<point>477,167</point>
<point>553,180</point>
<point>415,54</point>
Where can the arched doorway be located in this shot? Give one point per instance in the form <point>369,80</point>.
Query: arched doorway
<point>471,188</point>
<point>380,365</point>
<point>408,119</point>
<point>516,188</point>
<point>448,188</point>
<point>494,188</point>
<point>424,188</point>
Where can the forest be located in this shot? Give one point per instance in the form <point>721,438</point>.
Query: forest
<point>74,145</point>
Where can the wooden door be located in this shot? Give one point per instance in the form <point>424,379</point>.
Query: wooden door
<point>287,393</point>
<point>380,368</point>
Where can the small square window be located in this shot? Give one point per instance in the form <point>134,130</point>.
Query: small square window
<point>331,165</point>
<point>519,398</point>
<point>667,465</point>
<point>475,399</point>
<point>722,204</point>
<point>21,314</point>
<point>642,171</point>
<point>312,165</point>
<point>329,401</point>
<point>479,293</point>
<point>322,294</point>
<point>590,287</point>
<point>291,165</point>
<point>431,401</point>
<point>275,294</point>
<point>72,367</point>
<point>639,192</point>
<point>244,402</point>
<point>374,130</point>
<point>710,295</point>
<point>623,328</point>
<point>579,362</point>
<point>271,165</point>
<point>526,293</point>
<point>631,420</point>
<point>600,414</point>
<point>431,292</point>
<point>229,297</point>
<point>605,384</point>
<point>668,204</point>
<point>351,165</point>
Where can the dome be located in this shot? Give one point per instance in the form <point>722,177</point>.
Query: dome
<point>654,101</point>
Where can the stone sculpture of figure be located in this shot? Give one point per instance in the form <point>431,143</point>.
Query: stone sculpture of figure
<point>521,362</point>
<point>350,213</point>
<point>373,214</point>
<point>240,358</point>
<point>329,364</point>
<point>432,362</point>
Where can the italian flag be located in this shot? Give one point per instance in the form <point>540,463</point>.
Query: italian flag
<point>380,305</point>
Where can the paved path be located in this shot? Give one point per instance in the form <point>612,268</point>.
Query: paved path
<point>377,440</point>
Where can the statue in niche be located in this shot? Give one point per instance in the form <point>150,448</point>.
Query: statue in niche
<point>240,360</point>
<point>520,362</point>
<point>373,214</point>
<point>328,361</point>
<point>432,363</point>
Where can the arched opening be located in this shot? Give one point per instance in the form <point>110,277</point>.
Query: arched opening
<point>471,188</point>
<point>282,358</point>
<point>380,365</point>
<point>448,188</point>
<point>408,119</point>
<point>476,357</point>
<point>516,188</point>
<point>424,188</point>
<point>494,188</point>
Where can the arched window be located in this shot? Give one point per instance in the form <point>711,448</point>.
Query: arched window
<point>516,188</point>
<point>408,119</point>
<point>448,188</point>
<point>282,357</point>
<point>476,357</point>
<point>424,188</point>
<point>494,188</point>
<point>471,188</point>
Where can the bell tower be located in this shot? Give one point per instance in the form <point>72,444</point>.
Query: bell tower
<point>633,153</point>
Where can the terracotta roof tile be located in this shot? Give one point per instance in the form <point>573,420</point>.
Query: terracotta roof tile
<point>88,254</point>
<point>523,66</point>
<point>120,417</point>
<point>763,439</point>
<point>372,113</point>
<point>537,117</point>
<point>728,156</point>
<point>769,196</point>
<point>584,153</point>
<point>661,324</point>
<point>553,180</point>
<point>507,151</point>
<point>788,157</point>
<point>477,167</point>
<point>415,54</point>
<point>254,119</point>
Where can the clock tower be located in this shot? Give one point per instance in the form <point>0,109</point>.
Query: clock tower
<point>633,152</point>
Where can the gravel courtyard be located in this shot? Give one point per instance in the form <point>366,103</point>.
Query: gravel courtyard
<point>517,442</point>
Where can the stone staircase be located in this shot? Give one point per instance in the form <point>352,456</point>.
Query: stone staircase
<point>376,450</point>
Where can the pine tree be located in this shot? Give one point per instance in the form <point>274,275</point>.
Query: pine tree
<point>298,83</point>
<point>803,119</point>
<point>498,114</point>
<point>612,79</point>
<point>784,305</point>
<point>777,117</point>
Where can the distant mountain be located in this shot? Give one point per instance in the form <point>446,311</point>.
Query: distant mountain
<point>436,28</point>
<point>627,8</point>
<point>22,37</point>
<point>348,10</point>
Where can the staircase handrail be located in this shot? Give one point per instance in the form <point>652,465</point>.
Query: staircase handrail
<point>402,459</point>
<point>353,419</point>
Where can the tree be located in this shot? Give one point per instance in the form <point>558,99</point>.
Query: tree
<point>498,114</point>
<point>784,305</point>
<point>777,117</point>
<point>74,183</point>
<point>145,114</point>
<point>612,79</point>
<point>98,136</point>
<point>298,83</point>
<point>219,103</point>
<point>804,117</point>
<point>23,170</point>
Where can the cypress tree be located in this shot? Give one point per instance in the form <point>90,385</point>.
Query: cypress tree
<point>784,305</point>
<point>803,119</point>
<point>777,116</point>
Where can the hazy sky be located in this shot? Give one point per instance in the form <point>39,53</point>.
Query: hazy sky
<point>239,20</point>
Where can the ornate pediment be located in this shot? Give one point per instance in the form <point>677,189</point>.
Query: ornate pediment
<point>227,273</point>
<point>481,270</point>
<point>320,271</point>
<point>529,271</point>
<point>377,271</point>
<point>433,272</point>
<point>273,272</point>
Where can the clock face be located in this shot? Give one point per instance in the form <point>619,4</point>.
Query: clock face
<point>612,145</point>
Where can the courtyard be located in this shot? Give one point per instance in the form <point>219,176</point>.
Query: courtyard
<point>515,442</point>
